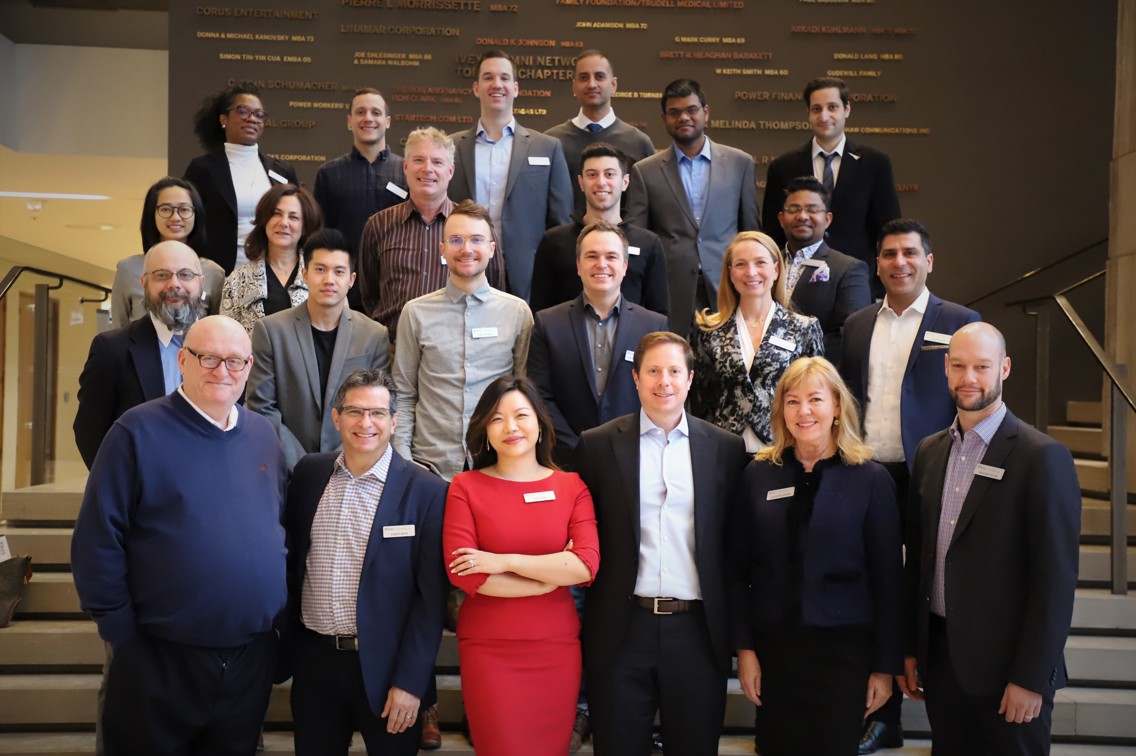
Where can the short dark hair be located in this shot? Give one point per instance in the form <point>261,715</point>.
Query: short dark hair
<point>659,338</point>
<point>601,226</point>
<point>207,120</point>
<point>331,239</point>
<point>603,149</point>
<point>680,88</point>
<point>149,226</point>
<point>494,54</point>
<point>477,436</point>
<point>826,82</point>
<point>367,91</point>
<point>366,378</point>
<point>809,184</point>
<point>473,210</point>
<point>256,245</point>
<point>904,226</point>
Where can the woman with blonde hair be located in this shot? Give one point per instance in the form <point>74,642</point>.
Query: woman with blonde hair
<point>816,562</point>
<point>741,350</point>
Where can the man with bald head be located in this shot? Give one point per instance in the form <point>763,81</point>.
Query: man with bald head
<point>139,361</point>
<point>992,551</point>
<point>178,556</point>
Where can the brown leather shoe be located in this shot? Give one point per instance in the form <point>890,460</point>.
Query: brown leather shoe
<point>580,732</point>
<point>431,733</point>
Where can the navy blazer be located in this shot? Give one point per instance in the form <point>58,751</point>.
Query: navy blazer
<point>560,364</point>
<point>209,174</point>
<point>843,291</point>
<point>403,587</point>
<point>123,369</point>
<point>853,555</point>
<point>924,404</point>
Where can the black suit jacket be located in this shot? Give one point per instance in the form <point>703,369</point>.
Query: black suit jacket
<point>607,458</point>
<point>123,369</point>
<point>560,364</point>
<point>833,298</point>
<point>403,586</point>
<point>210,174</point>
<point>863,200</point>
<point>1011,567</point>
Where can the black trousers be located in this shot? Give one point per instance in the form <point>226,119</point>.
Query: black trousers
<point>966,725</point>
<point>329,703</point>
<point>169,699</point>
<point>665,665</point>
<point>890,712</point>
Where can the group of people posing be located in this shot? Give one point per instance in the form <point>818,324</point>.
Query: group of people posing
<point>640,435</point>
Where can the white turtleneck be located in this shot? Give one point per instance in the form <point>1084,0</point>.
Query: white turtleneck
<point>250,182</point>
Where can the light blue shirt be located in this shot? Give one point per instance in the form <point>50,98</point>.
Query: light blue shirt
<point>491,171</point>
<point>168,348</point>
<point>666,513</point>
<point>695,177</point>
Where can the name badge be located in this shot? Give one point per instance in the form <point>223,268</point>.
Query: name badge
<point>398,531</point>
<point>396,190</point>
<point>488,332</point>
<point>784,344</point>
<point>937,338</point>
<point>989,471</point>
<point>539,160</point>
<point>813,263</point>
<point>629,355</point>
<point>535,496</point>
<point>277,177</point>
<point>443,259</point>
<point>779,493</point>
<point>632,250</point>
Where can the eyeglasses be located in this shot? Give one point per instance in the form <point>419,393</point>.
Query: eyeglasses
<point>183,211</point>
<point>378,414</point>
<point>211,361</point>
<point>245,112</point>
<point>691,111</point>
<point>809,209</point>
<point>185,275</point>
<point>477,241</point>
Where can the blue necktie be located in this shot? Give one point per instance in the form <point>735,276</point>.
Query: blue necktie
<point>827,179</point>
<point>595,128</point>
<point>178,340</point>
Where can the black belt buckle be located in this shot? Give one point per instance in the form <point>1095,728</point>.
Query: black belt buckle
<point>346,642</point>
<point>655,609</point>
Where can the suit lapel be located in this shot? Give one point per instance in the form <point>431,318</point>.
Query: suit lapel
<point>303,327</point>
<point>805,279</point>
<point>934,305</point>
<point>849,170</point>
<point>625,450</point>
<point>674,181</point>
<point>625,340</point>
<point>338,355</point>
<point>1000,447</point>
<point>387,511</point>
<point>702,467</point>
<point>147,358</point>
<point>576,317</point>
<point>932,505</point>
<point>520,157</point>
<point>218,167</point>
<point>469,163</point>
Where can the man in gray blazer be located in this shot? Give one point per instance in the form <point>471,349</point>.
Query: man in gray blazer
<point>519,175</point>
<point>303,354</point>
<point>670,194</point>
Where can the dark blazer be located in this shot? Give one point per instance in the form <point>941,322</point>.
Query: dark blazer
<point>403,587</point>
<point>863,200</point>
<point>560,364</point>
<point>607,458</point>
<point>555,279</point>
<point>1011,566</point>
<point>123,369</point>
<point>832,297</point>
<point>853,555</point>
<point>924,406</point>
<point>537,197</point>
<point>209,173</point>
<point>656,199</point>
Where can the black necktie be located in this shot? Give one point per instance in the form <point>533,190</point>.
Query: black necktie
<point>826,178</point>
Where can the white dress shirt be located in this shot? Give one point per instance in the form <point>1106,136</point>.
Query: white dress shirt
<point>818,161</point>
<point>581,121</point>
<point>491,171</point>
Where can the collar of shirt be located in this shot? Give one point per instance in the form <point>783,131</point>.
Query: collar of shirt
<point>407,209</point>
<point>646,425</point>
<point>383,155</point>
<point>919,305</point>
<point>455,295</point>
<point>985,428</point>
<point>581,121</point>
<point>510,128</point>
<point>839,146</point>
<point>805,253</point>
<point>230,422</point>
<point>163,331</point>
<point>378,470</point>
<point>592,310</point>
<point>704,153</point>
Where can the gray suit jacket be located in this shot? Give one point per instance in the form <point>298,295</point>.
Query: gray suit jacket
<point>284,384</point>
<point>537,197</point>
<point>657,200</point>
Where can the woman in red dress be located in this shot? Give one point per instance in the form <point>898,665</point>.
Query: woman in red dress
<point>517,532</point>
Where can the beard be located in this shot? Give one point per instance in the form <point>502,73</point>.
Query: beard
<point>177,316</point>
<point>981,402</point>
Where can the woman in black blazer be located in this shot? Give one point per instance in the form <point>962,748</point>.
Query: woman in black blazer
<point>816,563</point>
<point>233,174</point>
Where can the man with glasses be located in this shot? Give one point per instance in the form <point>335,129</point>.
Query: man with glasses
<point>178,555</point>
<point>139,362</point>
<point>366,581</point>
<point>303,353</point>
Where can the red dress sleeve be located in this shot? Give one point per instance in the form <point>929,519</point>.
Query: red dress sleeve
<point>582,530</point>
<point>460,531</point>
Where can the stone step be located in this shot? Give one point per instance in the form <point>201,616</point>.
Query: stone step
<point>50,593</point>
<point>1081,440</point>
<point>47,546</point>
<point>1096,564</point>
<point>1092,474</point>
<point>1101,659</point>
<point>1085,413</point>
<point>1096,517</point>
<point>1098,610</point>
<point>50,502</point>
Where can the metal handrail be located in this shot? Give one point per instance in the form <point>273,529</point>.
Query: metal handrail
<point>18,270</point>
<point>1035,271</point>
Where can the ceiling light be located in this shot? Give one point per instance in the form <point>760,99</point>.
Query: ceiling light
<point>53,195</point>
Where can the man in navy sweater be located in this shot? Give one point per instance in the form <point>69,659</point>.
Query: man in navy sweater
<point>178,556</point>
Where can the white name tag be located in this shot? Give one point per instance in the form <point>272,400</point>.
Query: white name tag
<point>632,250</point>
<point>629,355</point>
<point>539,160</point>
<point>395,189</point>
<point>277,177</point>
<point>5,551</point>
<point>780,342</point>
<point>779,493</point>
<point>937,338</point>
<point>443,259</point>
<point>535,496</point>
<point>989,471</point>
<point>812,262</point>
<point>398,531</point>
<point>488,332</point>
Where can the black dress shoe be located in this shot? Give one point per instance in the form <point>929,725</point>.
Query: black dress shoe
<point>878,735</point>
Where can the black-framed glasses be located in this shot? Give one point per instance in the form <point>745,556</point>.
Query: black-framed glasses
<point>183,211</point>
<point>809,209</point>
<point>185,275</point>
<point>211,361</point>
<point>377,414</point>
<point>245,112</point>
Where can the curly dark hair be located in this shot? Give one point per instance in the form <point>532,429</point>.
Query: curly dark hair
<point>207,120</point>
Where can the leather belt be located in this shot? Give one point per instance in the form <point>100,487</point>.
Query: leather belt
<point>337,642</point>
<point>663,605</point>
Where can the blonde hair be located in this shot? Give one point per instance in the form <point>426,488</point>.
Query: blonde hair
<point>846,433</point>
<point>431,135</point>
<point>728,295</point>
